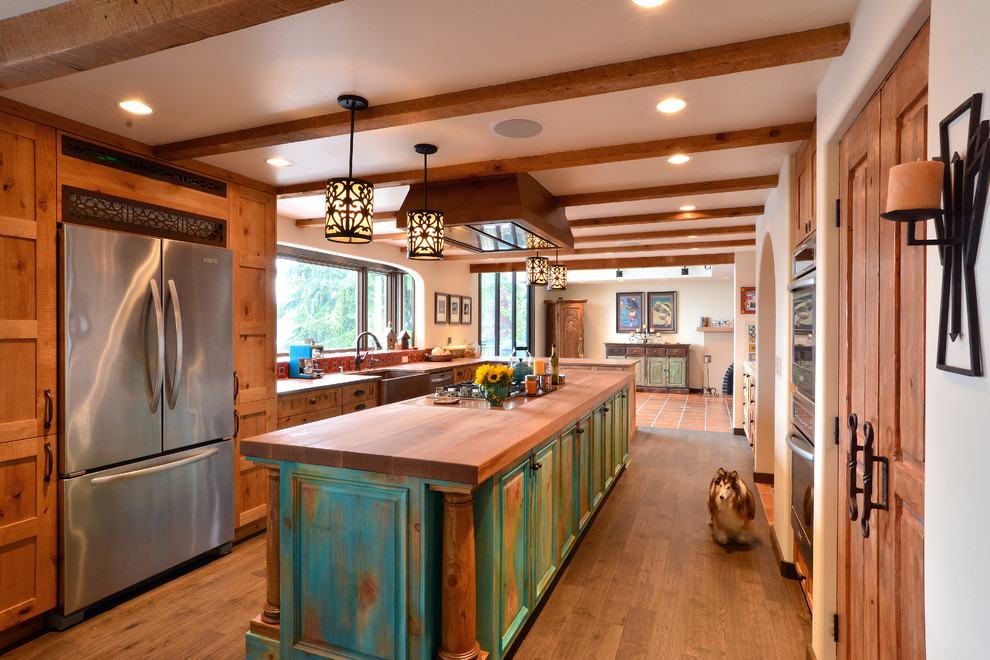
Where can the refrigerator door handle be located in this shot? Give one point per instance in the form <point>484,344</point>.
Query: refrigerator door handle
<point>156,385</point>
<point>173,385</point>
<point>133,474</point>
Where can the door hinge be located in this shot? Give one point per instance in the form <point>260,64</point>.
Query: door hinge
<point>836,432</point>
<point>838,212</point>
<point>835,627</point>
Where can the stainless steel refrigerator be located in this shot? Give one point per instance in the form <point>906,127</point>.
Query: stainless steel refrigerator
<point>146,374</point>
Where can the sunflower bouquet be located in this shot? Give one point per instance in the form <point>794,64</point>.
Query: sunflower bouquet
<point>493,374</point>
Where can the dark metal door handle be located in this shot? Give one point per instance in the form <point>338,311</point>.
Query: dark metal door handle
<point>49,461</point>
<point>237,423</point>
<point>854,449</point>
<point>237,385</point>
<point>869,458</point>
<point>49,408</point>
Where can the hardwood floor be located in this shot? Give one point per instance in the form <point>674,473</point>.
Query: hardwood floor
<point>647,581</point>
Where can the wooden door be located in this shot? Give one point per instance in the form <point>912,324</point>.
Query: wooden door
<point>881,374</point>
<point>572,329</point>
<point>543,517</point>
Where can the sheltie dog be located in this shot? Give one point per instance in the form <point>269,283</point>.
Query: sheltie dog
<point>731,507</point>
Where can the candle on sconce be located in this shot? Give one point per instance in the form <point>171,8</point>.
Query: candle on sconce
<point>916,185</point>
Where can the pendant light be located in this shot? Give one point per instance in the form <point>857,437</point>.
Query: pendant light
<point>558,275</point>
<point>537,269</point>
<point>350,201</point>
<point>424,230</point>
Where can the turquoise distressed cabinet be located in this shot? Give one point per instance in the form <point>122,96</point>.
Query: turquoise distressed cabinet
<point>366,560</point>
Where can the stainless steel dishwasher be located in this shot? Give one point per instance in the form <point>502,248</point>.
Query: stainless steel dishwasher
<point>441,378</point>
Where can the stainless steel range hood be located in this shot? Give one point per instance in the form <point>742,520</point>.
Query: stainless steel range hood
<point>507,213</point>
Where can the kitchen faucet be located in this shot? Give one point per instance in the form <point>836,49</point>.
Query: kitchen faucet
<point>358,359</point>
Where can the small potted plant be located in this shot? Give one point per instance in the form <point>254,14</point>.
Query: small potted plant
<point>494,380</point>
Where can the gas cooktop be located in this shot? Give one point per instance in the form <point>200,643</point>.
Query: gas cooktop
<point>468,390</point>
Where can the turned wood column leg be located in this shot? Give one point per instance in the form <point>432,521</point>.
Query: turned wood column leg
<point>458,631</point>
<point>271,612</point>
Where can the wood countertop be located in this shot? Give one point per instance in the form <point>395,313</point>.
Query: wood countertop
<point>293,385</point>
<point>445,443</point>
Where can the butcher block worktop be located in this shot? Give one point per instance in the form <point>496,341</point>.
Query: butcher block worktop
<point>445,443</point>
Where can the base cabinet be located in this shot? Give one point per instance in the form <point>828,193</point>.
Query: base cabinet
<point>660,368</point>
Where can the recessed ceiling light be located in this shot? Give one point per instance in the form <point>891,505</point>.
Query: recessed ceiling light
<point>136,107</point>
<point>671,105</point>
<point>649,4</point>
<point>688,207</point>
<point>678,159</point>
<point>692,236</point>
<point>695,248</point>
<point>517,128</point>
<point>278,162</point>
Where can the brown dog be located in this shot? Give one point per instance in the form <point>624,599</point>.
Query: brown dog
<point>731,507</point>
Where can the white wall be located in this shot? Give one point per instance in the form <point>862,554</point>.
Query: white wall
<point>696,297</point>
<point>744,275</point>
<point>451,277</point>
<point>957,408</point>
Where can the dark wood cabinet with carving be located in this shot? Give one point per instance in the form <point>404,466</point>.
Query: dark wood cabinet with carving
<point>565,327</point>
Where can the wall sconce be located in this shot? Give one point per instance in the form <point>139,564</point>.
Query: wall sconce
<point>961,181</point>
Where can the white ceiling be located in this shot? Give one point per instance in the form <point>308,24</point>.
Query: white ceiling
<point>394,50</point>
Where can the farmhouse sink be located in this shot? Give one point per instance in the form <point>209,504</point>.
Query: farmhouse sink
<point>401,385</point>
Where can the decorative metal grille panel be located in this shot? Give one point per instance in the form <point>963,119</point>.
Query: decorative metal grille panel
<point>85,207</point>
<point>94,153</point>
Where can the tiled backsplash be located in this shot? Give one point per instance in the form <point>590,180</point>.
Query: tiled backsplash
<point>377,359</point>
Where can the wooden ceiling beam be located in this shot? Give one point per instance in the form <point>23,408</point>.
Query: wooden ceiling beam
<point>380,216</point>
<point>810,45</point>
<point>691,144</point>
<point>662,192</point>
<point>655,247</point>
<point>660,235</point>
<point>676,216</point>
<point>634,262</point>
<point>80,35</point>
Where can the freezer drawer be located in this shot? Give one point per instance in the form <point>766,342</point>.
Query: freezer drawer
<point>128,523</point>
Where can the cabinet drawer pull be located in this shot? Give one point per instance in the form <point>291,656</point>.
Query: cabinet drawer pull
<point>360,406</point>
<point>580,431</point>
<point>49,408</point>
<point>606,408</point>
<point>359,392</point>
<point>312,401</point>
<point>49,461</point>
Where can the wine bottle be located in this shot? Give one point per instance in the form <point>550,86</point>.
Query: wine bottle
<point>554,366</point>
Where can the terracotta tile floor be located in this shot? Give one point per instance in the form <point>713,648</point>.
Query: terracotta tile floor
<point>766,494</point>
<point>684,411</point>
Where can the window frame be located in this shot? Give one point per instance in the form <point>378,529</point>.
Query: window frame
<point>530,312</point>
<point>393,287</point>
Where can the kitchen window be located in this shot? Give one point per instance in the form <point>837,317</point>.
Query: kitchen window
<point>505,313</point>
<point>332,299</point>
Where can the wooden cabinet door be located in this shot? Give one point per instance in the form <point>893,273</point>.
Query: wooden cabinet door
<point>585,474</point>
<point>27,531</point>
<point>568,491</point>
<point>676,372</point>
<point>607,442</point>
<point>27,271</point>
<point>572,330</point>
<point>881,374</point>
<point>804,174</point>
<point>252,238</point>
<point>640,371</point>
<point>656,368</point>
<point>597,456</point>
<point>543,517</point>
<point>514,600</point>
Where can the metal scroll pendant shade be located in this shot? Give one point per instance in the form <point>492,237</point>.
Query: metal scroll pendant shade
<point>538,269</point>
<point>350,202</point>
<point>424,228</point>
<point>558,278</point>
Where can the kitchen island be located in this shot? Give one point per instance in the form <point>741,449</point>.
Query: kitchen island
<point>415,530</point>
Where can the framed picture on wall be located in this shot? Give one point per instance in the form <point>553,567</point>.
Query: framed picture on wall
<point>440,313</point>
<point>747,300</point>
<point>628,312</point>
<point>466,310</point>
<point>662,306</point>
<point>454,312</point>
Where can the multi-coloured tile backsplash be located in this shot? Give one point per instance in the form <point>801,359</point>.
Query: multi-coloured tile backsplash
<point>376,359</point>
